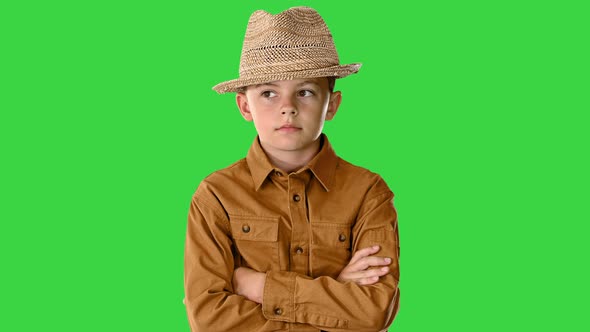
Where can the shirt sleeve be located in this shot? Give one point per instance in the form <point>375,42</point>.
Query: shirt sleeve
<point>209,265</point>
<point>330,305</point>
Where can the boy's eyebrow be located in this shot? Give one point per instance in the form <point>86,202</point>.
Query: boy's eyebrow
<point>308,82</point>
<point>263,84</point>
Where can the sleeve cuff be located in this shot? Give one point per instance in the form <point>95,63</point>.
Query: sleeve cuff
<point>279,294</point>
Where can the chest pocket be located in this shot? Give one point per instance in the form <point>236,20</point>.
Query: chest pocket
<point>331,244</point>
<point>256,240</point>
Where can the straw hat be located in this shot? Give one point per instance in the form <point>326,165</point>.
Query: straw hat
<point>293,44</point>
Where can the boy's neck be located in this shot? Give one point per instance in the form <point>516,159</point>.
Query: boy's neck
<point>291,161</point>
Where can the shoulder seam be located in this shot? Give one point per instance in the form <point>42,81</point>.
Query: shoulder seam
<point>213,209</point>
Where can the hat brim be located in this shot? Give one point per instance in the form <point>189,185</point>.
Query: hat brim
<point>238,85</point>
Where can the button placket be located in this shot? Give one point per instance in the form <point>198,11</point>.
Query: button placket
<point>299,236</point>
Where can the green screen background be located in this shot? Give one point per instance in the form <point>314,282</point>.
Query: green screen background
<point>474,112</point>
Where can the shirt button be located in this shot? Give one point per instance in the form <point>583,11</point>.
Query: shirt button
<point>299,250</point>
<point>245,228</point>
<point>278,311</point>
<point>342,238</point>
<point>296,198</point>
<point>277,173</point>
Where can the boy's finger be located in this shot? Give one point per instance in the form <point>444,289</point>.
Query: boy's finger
<point>376,272</point>
<point>367,281</point>
<point>366,262</point>
<point>359,275</point>
<point>363,253</point>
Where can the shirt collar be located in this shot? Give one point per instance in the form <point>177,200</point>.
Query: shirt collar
<point>323,165</point>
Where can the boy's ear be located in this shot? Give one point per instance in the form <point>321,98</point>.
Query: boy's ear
<point>242,102</point>
<point>333,104</point>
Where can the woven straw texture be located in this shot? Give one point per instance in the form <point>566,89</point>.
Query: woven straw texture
<point>293,44</point>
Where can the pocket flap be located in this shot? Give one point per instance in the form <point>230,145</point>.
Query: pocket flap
<point>255,228</point>
<point>331,234</point>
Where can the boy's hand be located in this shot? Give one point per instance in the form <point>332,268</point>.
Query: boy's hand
<point>249,283</point>
<point>358,269</point>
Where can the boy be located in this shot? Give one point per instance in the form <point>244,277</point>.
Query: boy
<point>291,238</point>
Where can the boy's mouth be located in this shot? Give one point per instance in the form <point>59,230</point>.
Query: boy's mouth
<point>288,128</point>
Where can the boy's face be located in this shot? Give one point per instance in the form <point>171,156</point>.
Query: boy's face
<point>289,115</point>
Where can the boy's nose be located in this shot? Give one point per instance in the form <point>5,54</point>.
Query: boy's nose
<point>289,107</point>
<point>293,111</point>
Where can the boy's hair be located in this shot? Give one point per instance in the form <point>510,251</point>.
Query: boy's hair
<point>331,83</point>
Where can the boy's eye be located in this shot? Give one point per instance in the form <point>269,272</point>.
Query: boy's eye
<point>268,94</point>
<point>305,93</point>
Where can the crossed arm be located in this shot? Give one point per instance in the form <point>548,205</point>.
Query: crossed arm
<point>364,268</point>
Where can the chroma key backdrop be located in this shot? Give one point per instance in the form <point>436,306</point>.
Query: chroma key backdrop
<point>474,112</point>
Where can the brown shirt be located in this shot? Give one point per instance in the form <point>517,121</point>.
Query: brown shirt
<point>301,230</point>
